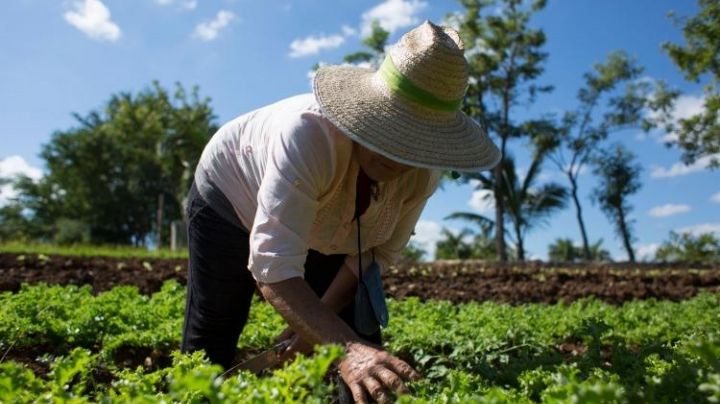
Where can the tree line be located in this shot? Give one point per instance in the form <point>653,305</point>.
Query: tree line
<point>121,174</point>
<point>507,60</point>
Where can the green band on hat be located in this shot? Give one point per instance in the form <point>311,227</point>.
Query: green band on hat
<point>398,83</point>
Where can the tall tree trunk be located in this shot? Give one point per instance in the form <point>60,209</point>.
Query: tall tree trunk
<point>158,226</point>
<point>499,185</point>
<point>499,215</point>
<point>520,243</point>
<point>625,234</point>
<point>578,214</point>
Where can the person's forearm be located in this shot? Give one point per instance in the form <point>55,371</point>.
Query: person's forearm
<point>341,291</point>
<point>310,318</point>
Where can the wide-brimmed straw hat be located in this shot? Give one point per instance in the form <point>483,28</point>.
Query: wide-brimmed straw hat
<point>409,109</point>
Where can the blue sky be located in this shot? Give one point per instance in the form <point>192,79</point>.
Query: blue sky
<point>69,56</point>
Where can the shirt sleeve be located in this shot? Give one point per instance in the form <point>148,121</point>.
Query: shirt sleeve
<point>389,252</point>
<point>299,168</point>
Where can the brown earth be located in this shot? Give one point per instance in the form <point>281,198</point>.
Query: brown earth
<point>457,281</point>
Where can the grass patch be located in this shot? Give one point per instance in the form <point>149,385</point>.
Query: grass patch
<point>90,250</point>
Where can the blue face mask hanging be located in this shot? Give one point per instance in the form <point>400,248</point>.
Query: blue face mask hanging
<point>370,307</point>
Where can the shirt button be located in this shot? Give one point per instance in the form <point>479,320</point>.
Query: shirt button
<point>248,149</point>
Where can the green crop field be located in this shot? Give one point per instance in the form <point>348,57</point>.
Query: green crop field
<point>588,351</point>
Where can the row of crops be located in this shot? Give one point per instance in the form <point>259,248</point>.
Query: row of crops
<point>60,343</point>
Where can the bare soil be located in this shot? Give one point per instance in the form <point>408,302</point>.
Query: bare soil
<point>456,281</point>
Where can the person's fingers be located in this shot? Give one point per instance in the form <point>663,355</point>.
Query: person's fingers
<point>390,379</point>
<point>376,390</point>
<point>358,393</point>
<point>402,369</point>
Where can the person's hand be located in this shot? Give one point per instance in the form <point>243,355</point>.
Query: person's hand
<point>297,345</point>
<point>368,369</point>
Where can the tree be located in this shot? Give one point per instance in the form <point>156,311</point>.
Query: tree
<point>619,178</point>
<point>563,250</point>
<point>598,253</point>
<point>453,246</point>
<point>573,141</point>
<point>375,42</point>
<point>685,247</point>
<point>505,57</point>
<point>122,168</point>
<point>699,136</point>
<point>527,203</point>
<point>413,252</point>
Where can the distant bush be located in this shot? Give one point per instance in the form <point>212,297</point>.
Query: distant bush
<point>685,247</point>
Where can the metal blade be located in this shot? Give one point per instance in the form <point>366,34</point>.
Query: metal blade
<point>265,359</point>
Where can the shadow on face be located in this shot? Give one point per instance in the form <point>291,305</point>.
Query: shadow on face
<point>378,167</point>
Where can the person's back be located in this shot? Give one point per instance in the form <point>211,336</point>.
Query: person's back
<point>234,160</point>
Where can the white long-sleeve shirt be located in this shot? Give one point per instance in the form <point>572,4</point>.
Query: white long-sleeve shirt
<point>290,176</point>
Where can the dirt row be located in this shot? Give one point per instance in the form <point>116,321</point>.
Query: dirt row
<point>457,281</point>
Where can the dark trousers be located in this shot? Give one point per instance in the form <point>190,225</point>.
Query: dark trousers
<point>220,287</point>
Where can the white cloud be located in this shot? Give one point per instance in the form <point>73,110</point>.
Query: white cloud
<point>187,4</point>
<point>348,30</point>
<point>209,30</point>
<point>392,15</point>
<point>700,229</point>
<point>680,168</point>
<point>668,210</point>
<point>314,44</point>
<point>92,17</point>
<point>427,234</point>
<point>715,198</point>
<point>686,106</point>
<point>11,167</point>
<point>646,252</point>
<point>482,201</point>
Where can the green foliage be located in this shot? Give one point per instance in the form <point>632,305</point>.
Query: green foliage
<point>105,175</point>
<point>506,59</point>
<point>685,247</point>
<point>15,225</point>
<point>455,246</point>
<point>698,58</point>
<point>587,351</point>
<point>619,177</point>
<point>69,231</point>
<point>613,92</point>
<point>190,379</point>
<point>563,250</point>
<point>413,252</point>
<point>527,203</point>
<point>375,43</point>
<point>86,250</point>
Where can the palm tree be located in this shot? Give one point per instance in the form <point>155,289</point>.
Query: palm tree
<point>598,253</point>
<point>562,250</point>
<point>452,246</point>
<point>527,205</point>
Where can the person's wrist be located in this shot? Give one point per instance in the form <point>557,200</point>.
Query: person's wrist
<point>351,345</point>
